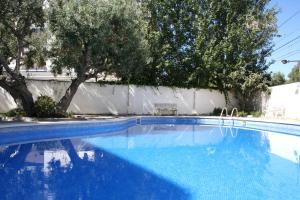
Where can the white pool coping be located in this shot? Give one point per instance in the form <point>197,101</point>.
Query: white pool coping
<point>30,122</point>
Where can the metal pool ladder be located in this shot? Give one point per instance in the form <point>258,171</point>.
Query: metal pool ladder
<point>232,112</point>
<point>233,134</point>
<point>221,115</point>
<point>226,112</point>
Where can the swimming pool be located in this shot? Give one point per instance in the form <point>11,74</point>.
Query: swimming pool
<point>151,158</point>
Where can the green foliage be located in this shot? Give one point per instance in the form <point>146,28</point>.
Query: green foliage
<point>98,37</point>
<point>171,35</point>
<point>37,51</point>
<point>294,75</point>
<point>93,37</point>
<point>45,107</point>
<point>18,21</point>
<point>219,44</point>
<point>242,114</point>
<point>277,79</point>
<point>256,114</point>
<point>18,112</point>
<point>247,87</point>
<point>234,45</point>
<point>211,44</point>
<point>217,112</point>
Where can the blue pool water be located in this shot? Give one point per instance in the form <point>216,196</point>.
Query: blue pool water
<point>154,162</point>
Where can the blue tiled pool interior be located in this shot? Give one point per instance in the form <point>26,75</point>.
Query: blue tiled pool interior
<point>150,161</point>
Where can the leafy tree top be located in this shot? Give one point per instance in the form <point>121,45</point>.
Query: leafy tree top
<point>277,79</point>
<point>18,21</point>
<point>294,75</point>
<point>92,36</point>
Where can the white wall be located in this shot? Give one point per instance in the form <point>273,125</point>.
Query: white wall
<point>284,101</point>
<point>142,99</point>
<point>6,101</point>
<point>92,98</point>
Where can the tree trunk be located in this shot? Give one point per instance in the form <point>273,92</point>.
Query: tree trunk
<point>67,144</point>
<point>65,101</point>
<point>19,91</point>
<point>19,55</point>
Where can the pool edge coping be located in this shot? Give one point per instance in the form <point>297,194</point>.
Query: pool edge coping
<point>22,130</point>
<point>124,118</point>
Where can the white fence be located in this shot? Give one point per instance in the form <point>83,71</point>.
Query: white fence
<point>283,102</point>
<point>92,98</point>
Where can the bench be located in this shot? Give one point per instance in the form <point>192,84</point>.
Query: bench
<point>165,109</point>
<point>275,112</point>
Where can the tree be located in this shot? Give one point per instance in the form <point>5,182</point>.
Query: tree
<point>294,75</point>
<point>247,88</point>
<point>19,20</point>
<point>96,36</point>
<point>234,39</point>
<point>277,79</point>
<point>171,34</point>
<point>206,43</point>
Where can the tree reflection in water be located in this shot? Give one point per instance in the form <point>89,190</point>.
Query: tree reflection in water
<point>103,177</point>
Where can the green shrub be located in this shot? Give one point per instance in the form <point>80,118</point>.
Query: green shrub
<point>256,114</point>
<point>242,114</point>
<point>17,112</point>
<point>45,107</point>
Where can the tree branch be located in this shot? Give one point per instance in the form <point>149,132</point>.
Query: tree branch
<point>86,64</point>
<point>19,54</point>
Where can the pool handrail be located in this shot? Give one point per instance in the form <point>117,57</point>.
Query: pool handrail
<point>236,111</point>
<point>226,112</point>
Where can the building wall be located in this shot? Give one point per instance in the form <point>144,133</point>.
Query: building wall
<point>283,102</point>
<point>93,98</point>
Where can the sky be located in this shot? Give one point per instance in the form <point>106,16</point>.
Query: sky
<point>289,29</point>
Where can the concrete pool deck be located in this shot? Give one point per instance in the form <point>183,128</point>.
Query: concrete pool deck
<point>24,121</point>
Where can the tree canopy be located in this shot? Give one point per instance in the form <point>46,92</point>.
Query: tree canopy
<point>294,75</point>
<point>277,79</point>
<point>19,20</point>
<point>93,37</point>
<point>171,33</point>
<point>220,44</point>
<point>212,44</point>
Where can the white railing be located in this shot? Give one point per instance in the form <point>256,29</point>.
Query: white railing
<point>236,111</point>
<point>226,112</point>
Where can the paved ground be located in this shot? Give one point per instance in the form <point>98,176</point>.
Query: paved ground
<point>10,121</point>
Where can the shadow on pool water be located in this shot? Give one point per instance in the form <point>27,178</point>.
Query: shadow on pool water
<point>34,171</point>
